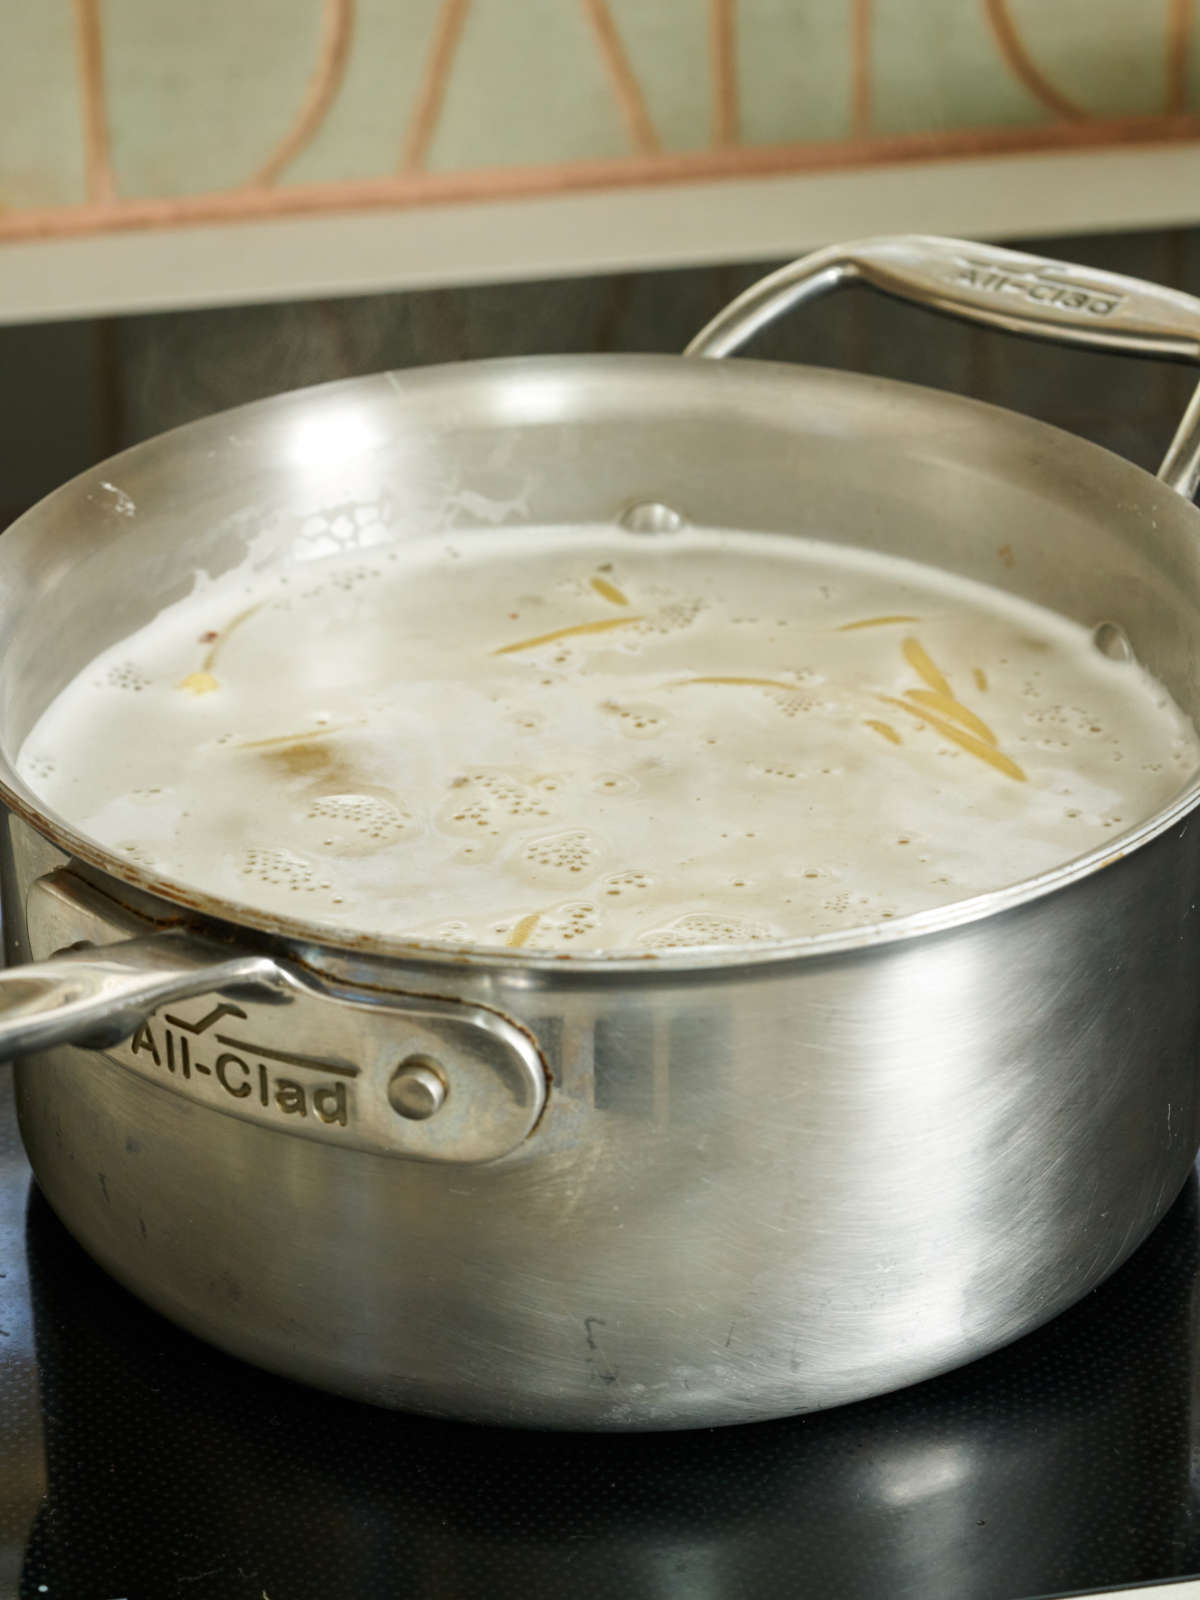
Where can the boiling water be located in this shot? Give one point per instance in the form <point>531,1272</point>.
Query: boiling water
<point>575,740</point>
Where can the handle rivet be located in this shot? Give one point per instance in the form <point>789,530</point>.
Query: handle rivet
<point>417,1090</point>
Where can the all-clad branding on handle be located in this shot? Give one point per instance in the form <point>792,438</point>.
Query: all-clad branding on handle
<point>259,1039</point>
<point>1003,288</point>
<point>1042,285</point>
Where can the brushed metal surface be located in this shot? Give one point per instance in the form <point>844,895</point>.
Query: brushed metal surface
<point>750,1193</point>
<point>761,1183</point>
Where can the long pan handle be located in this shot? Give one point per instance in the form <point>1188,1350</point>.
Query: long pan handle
<point>99,996</point>
<point>1005,289</point>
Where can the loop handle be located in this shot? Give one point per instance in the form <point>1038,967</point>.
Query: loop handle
<point>1005,289</point>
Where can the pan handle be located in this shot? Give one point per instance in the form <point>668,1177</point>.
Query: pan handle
<point>276,1043</point>
<point>98,996</point>
<point>1002,288</point>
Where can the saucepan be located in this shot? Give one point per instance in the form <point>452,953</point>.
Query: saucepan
<point>597,1192</point>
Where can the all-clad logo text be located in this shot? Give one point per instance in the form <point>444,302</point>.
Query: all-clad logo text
<point>1040,285</point>
<point>249,1077</point>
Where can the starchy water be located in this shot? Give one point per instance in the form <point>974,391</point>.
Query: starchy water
<point>578,739</point>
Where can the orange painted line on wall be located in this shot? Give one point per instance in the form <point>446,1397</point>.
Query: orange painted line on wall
<point>860,69</point>
<point>332,54</point>
<point>481,185</point>
<point>89,48</point>
<point>1012,48</point>
<point>634,112</point>
<point>722,52</point>
<point>432,89</point>
<point>1181,19</point>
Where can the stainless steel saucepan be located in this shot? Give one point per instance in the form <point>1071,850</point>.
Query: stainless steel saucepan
<point>705,1188</point>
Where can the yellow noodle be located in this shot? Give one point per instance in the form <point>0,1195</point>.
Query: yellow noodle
<point>874,622</point>
<point>565,633</point>
<point>523,931</point>
<point>886,729</point>
<point>226,632</point>
<point>965,741</point>
<point>980,677</point>
<point>609,591</point>
<point>917,659</point>
<point>310,758</point>
<point>286,738</point>
<point>762,683</point>
<point>203,682</point>
<point>199,683</point>
<point>947,706</point>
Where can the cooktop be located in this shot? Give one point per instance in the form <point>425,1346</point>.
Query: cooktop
<point>137,1464</point>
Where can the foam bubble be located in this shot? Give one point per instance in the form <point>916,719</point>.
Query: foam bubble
<point>492,800</point>
<point>357,823</point>
<point>628,882</point>
<point>558,927</point>
<point>126,675</point>
<point>557,857</point>
<point>668,619</point>
<point>698,928</point>
<point>610,784</point>
<point>279,869</point>
<point>638,720</point>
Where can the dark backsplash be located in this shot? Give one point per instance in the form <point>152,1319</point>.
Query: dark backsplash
<point>73,393</point>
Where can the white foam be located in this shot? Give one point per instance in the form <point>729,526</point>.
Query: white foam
<point>356,740</point>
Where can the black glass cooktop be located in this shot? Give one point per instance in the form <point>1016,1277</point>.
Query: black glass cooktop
<point>137,1464</point>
